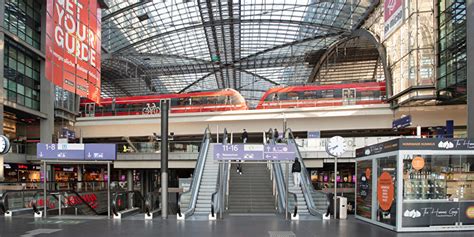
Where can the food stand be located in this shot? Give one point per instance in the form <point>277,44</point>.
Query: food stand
<point>414,184</point>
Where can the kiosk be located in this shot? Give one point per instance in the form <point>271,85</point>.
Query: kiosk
<point>412,184</point>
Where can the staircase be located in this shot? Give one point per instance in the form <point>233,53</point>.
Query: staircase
<point>208,184</point>
<point>251,192</point>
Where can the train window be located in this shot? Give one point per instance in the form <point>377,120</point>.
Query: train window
<point>282,96</point>
<point>211,100</point>
<point>270,97</point>
<point>308,95</point>
<point>337,93</point>
<point>220,100</point>
<point>292,95</point>
<point>196,101</point>
<point>327,94</point>
<point>174,102</point>
<point>182,101</point>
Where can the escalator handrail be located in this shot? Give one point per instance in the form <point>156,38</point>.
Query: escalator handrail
<point>307,187</point>
<point>135,194</point>
<point>216,202</point>
<point>149,207</point>
<point>197,175</point>
<point>4,198</point>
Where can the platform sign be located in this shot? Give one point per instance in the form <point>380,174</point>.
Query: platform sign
<point>100,152</point>
<point>254,152</point>
<point>60,151</point>
<point>238,152</point>
<point>279,152</point>
<point>76,151</point>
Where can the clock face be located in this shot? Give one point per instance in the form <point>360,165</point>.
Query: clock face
<point>4,144</point>
<point>336,146</point>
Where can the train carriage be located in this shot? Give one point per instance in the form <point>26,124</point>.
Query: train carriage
<point>207,101</point>
<point>323,95</point>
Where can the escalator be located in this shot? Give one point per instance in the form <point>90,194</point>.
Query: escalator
<point>18,202</point>
<point>305,199</point>
<point>198,199</point>
<point>70,202</point>
<point>315,201</point>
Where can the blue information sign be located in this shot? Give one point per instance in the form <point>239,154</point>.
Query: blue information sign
<point>238,152</point>
<point>253,152</point>
<point>76,151</point>
<point>279,152</point>
<point>60,151</point>
<point>100,152</point>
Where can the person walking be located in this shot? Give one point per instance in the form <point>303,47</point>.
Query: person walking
<point>296,170</point>
<point>245,136</point>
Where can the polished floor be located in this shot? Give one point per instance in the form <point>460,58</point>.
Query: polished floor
<point>271,226</point>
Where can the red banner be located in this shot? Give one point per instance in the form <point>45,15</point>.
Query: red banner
<point>73,46</point>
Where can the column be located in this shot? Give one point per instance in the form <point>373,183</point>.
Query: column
<point>2,46</point>
<point>47,89</point>
<point>470,66</point>
<point>79,177</point>
<point>130,187</point>
<point>164,159</point>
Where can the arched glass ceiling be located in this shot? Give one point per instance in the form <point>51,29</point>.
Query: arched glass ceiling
<point>249,45</point>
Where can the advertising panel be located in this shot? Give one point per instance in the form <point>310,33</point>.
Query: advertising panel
<point>73,46</point>
<point>437,214</point>
<point>393,16</point>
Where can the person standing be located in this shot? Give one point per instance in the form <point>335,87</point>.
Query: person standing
<point>276,135</point>
<point>296,170</point>
<point>245,136</point>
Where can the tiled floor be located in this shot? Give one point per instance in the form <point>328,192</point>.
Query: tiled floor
<point>231,226</point>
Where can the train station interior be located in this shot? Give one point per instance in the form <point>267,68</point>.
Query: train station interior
<point>276,118</point>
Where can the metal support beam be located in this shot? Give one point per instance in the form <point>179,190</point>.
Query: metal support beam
<point>470,66</point>
<point>164,158</point>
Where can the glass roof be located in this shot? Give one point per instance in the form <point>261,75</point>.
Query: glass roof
<point>170,46</point>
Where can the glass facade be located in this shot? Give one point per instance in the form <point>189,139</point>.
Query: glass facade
<point>452,78</point>
<point>22,75</point>
<point>23,18</point>
<point>410,50</point>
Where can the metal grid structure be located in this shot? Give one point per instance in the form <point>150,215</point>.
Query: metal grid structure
<point>170,46</point>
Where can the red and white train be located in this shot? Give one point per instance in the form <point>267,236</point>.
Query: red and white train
<point>209,101</point>
<point>230,99</point>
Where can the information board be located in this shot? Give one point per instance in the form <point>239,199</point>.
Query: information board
<point>254,152</point>
<point>76,151</point>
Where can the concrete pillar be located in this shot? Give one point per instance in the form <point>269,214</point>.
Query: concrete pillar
<point>164,158</point>
<point>470,66</point>
<point>130,187</point>
<point>2,176</point>
<point>47,89</point>
<point>79,177</point>
<point>2,47</point>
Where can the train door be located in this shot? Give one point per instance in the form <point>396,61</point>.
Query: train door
<point>349,96</point>
<point>90,110</point>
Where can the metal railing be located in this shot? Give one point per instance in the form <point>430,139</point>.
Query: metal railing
<point>281,191</point>
<point>152,202</point>
<point>197,176</point>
